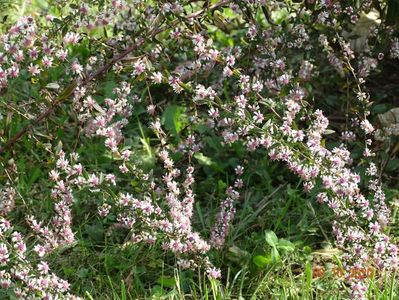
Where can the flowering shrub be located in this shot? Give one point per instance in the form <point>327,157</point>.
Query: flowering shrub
<point>199,78</point>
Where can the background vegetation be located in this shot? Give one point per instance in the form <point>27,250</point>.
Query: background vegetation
<point>280,235</point>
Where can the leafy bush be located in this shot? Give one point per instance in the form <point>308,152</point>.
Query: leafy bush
<point>142,133</point>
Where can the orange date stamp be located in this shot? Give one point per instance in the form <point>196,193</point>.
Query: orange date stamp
<point>352,273</point>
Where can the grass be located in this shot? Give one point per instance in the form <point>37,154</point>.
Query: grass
<point>99,268</point>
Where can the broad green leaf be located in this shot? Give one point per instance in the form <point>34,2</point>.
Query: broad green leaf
<point>285,245</point>
<point>261,261</point>
<point>172,118</point>
<point>271,238</point>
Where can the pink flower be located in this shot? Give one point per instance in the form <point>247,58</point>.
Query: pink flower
<point>40,250</point>
<point>156,77</point>
<point>43,268</point>
<point>71,38</point>
<point>34,69</point>
<point>214,273</point>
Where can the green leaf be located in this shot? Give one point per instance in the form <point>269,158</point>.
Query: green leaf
<point>208,162</point>
<point>261,261</point>
<point>67,92</point>
<point>172,118</point>
<point>285,245</point>
<point>203,160</point>
<point>308,274</point>
<point>271,238</point>
<point>221,185</point>
<point>275,254</point>
<point>329,131</point>
<point>166,281</point>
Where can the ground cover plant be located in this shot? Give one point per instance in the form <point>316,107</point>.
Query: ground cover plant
<point>199,149</point>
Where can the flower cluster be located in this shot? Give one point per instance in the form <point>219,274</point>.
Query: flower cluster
<point>261,88</point>
<point>18,273</point>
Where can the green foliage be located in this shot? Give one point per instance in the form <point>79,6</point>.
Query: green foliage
<point>174,119</point>
<point>268,254</point>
